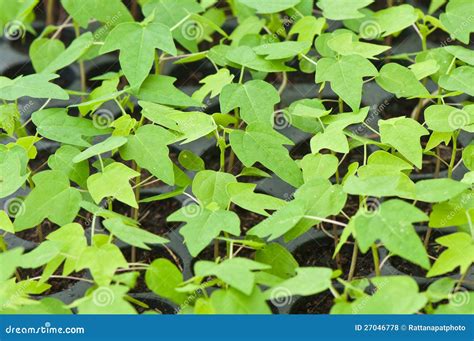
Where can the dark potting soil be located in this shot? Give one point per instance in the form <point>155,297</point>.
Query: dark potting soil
<point>397,107</point>
<point>40,162</point>
<point>315,304</point>
<point>191,73</point>
<point>433,249</point>
<point>148,256</point>
<point>34,235</point>
<point>152,215</point>
<point>318,252</point>
<point>155,305</point>
<point>66,75</point>
<point>350,209</point>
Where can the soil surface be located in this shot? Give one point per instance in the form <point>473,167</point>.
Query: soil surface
<point>152,215</point>
<point>315,304</point>
<point>319,252</point>
<point>248,219</point>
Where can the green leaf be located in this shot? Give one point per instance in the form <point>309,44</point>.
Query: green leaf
<point>191,161</point>
<point>102,260</point>
<point>149,149</point>
<point>404,135</point>
<point>319,165</point>
<point>343,9</point>
<point>13,169</point>
<point>392,20</point>
<point>455,212</point>
<point>308,281</point>
<point>61,160</point>
<point>211,187</point>
<point>231,301</point>
<point>458,19</point>
<point>282,262</point>
<point>190,125</point>
<point>437,190</point>
<point>459,80</point>
<point>5,222</point>
<point>317,198</point>
<point>105,300</point>
<point>51,198</point>
<point>468,157</point>
<point>243,195</point>
<point>246,57</point>
<point>237,272</point>
<point>203,225</point>
<point>55,124</point>
<point>307,28</point>
<point>111,12</point>
<point>392,225</point>
<point>425,68</point>
<point>132,235</point>
<point>160,89</point>
<point>454,307</point>
<point>75,51</point>
<point>445,118</point>
<point>35,86</point>
<point>274,6</point>
<point>111,143</point>
<point>461,53</point>
<point>137,44</point>
<point>113,182</point>
<point>10,260</point>
<point>259,143</point>
<point>282,50</point>
<point>346,44</point>
<point>400,81</point>
<point>173,14</point>
<point>345,75</point>
<point>256,100</point>
<point>163,277</point>
<point>460,253</point>
<point>213,85</point>
<point>43,51</point>
<point>394,295</point>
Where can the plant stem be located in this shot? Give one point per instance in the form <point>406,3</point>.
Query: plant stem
<point>284,82</point>
<point>341,105</point>
<point>336,241</point>
<point>458,286</point>
<point>216,249</point>
<point>375,255</point>
<point>438,163</point>
<point>82,69</point>
<point>453,155</point>
<point>325,220</point>
<point>49,12</point>
<point>427,237</point>
<point>355,251</point>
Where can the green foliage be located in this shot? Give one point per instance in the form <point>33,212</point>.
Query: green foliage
<point>232,132</point>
